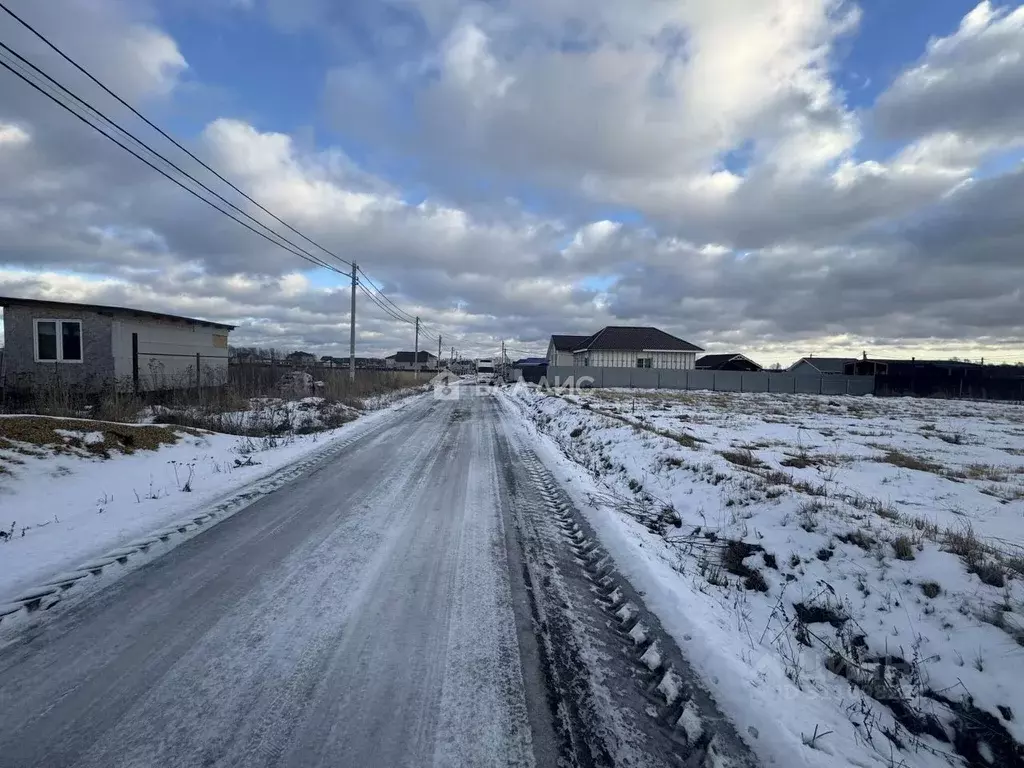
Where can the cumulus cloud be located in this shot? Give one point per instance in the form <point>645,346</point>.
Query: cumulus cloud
<point>716,121</point>
<point>116,40</point>
<point>753,217</point>
<point>970,83</point>
<point>12,135</point>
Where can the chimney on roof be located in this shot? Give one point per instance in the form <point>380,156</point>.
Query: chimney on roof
<point>865,354</point>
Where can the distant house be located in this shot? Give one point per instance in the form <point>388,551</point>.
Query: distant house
<point>461,366</point>
<point>93,347</point>
<point>561,347</point>
<point>731,361</point>
<point>617,346</point>
<point>361,362</point>
<point>876,366</point>
<point>300,357</point>
<point>406,361</point>
<point>818,366</point>
<point>530,369</point>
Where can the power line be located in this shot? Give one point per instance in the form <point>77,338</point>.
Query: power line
<point>20,72</point>
<point>384,302</point>
<point>384,307</point>
<point>392,309</point>
<point>163,133</point>
<point>11,67</point>
<point>383,296</point>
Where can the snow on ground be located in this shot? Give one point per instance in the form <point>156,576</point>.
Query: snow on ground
<point>846,572</point>
<point>265,415</point>
<point>69,494</point>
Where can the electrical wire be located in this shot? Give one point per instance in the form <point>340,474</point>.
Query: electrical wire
<point>384,302</point>
<point>410,317</point>
<point>163,133</point>
<point>20,71</point>
<point>384,307</point>
<point>10,66</point>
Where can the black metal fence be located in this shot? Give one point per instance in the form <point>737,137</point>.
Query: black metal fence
<point>968,383</point>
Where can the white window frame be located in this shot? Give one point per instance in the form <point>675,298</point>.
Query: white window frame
<point>58,323</point>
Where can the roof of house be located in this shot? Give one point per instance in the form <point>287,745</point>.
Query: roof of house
<point>636,338</point>
<point>566,342</point>
<point>531,361</point>
<point>713,360</point>
<point>915,361</point>
<point>13,301</point>
<point>824,364</point>
<point>410,357</point>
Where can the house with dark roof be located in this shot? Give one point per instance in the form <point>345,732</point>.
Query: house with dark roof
<point>820,366</point>
<point>561,347</point>
<point>361,362</point>
<point>730,361</point>
<point>95,347</point>
<point>406,361</point>
<point>618,346</point>
<point>883,366</point>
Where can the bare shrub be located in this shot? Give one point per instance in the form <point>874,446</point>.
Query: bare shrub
<point>931,589</point>
<point>742,458</point>
<point>907,461</point>
<point>777,477</point>
<point>810,488</point>
<point>733,555</point>
<point>903,547</point>
<point>858,537</point>
<point>991,573</point>
<point>801,461</point>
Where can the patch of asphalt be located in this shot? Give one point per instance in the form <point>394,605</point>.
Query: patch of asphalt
<point>99,571</point>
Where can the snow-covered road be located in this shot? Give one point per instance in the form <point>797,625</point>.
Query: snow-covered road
<point>396,606</point>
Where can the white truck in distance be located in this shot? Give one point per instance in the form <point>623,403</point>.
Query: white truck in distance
<point>484,371</point>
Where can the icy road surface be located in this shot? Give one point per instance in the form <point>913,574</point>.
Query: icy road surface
<point>406,603</point>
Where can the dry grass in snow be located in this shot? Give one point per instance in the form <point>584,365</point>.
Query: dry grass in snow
<point>857,563</point>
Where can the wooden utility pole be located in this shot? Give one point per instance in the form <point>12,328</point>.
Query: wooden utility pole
<point>416,354</point>
<point>352,329</point>
<point>439,352</point>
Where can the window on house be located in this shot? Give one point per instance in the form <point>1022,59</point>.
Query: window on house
<point>643,362</point>
<point>71,341</point>
<point>58,341</point>
<point>46,340</point>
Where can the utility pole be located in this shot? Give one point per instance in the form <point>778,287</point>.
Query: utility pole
<point>352,329</point>
<point>502,364</point>
<point>438,352</point>
<point>416,354</point>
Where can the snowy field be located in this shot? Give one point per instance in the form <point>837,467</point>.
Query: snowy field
<point>72,490</point>
<point>846,572</point>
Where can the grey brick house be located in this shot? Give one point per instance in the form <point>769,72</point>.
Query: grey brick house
<point>90,347</point>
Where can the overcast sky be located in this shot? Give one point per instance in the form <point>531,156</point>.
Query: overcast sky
<point>777,177</point>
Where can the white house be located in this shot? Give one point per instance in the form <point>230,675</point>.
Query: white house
<point>635,347</point>
<point>561,347</point>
